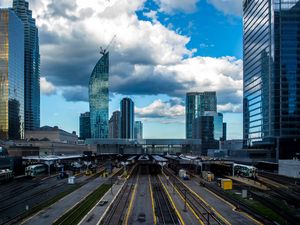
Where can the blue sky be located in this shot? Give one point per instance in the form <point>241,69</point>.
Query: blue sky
<point>163,49</point>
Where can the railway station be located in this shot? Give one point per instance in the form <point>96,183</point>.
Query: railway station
<point>147,189</point>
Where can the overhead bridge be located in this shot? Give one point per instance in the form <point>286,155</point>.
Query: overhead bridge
<point>144,146</point>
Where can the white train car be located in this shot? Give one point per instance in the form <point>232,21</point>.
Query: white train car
<point>35,170</point>
<point>6,175</point>
<point>245,170</point>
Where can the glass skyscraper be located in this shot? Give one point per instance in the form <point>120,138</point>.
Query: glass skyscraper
<point>84,126</point>
<point>196,104</point>
<point>115,125</point>
<point>127,118</point>
<point>31,65</point>
<point>209,128</point>
<point>98,98</point>
<point>11,76</point>
<point>138,130</point>
<point>272,75</point>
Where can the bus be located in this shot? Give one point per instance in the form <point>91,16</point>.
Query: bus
<point>35,170</point>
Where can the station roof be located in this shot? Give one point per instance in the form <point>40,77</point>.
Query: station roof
<point>158,158</point>
<point>131,158</point>
<point>51,157</point>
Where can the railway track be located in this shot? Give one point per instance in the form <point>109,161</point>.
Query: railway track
<point>164,211</point>
<point>117,211</point>
<point>203,211</point>
<point>237,203</point>
<point>31,197</point>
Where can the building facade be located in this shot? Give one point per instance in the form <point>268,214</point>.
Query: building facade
<point>272,75</point>
<point>98,98</point>
<point>31,65</point>
<point>53,134</point>
<point>138,130</point>
<point>11,76</point>
<point>115,125</point>
<point>127,118</point>
<point>208,128</point>
<point>196,104</point>
<point>84,126</point>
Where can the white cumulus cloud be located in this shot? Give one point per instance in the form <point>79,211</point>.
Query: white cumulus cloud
<point>158,109</point>
<point>172,6</point>
<point>228,7</point>
<point>47,88</point>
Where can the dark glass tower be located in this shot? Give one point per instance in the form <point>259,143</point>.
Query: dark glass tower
<point>98,98</point>
<point>209,128</point>
<point>272,75</point>
<point>115,125</point>
<point>11,76</point>
<point>127,118</point>
<point>196,104</point>
<point>84,126</point>
<point>31,65</point>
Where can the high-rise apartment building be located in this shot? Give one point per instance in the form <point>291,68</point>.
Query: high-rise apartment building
<point>138,130</point>
<point>272,75</point>
<point>31,65</point>
<point>196,104</point>
<point>84,126</point>
<point>115,125</point>
<point>98,98</point>
<point>127,118</point>
<point>11,76</point>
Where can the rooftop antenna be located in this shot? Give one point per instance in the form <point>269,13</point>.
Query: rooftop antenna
<point>104,50</point>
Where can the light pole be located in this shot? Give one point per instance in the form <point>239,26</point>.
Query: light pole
<point>111,186</point>
<point>184,200</point>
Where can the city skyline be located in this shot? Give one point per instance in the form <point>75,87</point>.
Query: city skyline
<point>148,77</point>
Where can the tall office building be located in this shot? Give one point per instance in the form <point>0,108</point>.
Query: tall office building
<point>11,76</point>
<point>127,118</point>
<point>98,98</point>
<point>196,104</point>
<point>138,130</point>
<point>209,128</point>
<point>84,126</point>
<point>31,65</point>
<point>115,125</point>
<point>224,138</point>
<point>272,75</point>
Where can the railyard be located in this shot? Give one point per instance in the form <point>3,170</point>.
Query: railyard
<point>148,189</point>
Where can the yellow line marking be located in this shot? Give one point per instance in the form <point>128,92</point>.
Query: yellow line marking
<point>131,202</point>
<point>152,200</point>
<point>233,207</point>
<point>212,208</point>
<point>188,205</point>
<point>173,204</point>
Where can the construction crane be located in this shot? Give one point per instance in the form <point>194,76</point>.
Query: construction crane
<point>104,50</point>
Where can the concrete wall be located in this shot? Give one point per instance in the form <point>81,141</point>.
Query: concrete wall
<point>290,168</point>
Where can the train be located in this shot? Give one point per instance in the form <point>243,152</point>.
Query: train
<point>35,170</point>
<point>6,175</point>
<point>245,171</point>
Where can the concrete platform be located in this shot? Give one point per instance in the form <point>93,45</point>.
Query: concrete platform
<point>224,208</point>
<point>249,182</point>
<point>142,203</point>
<point>97,212</point>
<point>53,212</point>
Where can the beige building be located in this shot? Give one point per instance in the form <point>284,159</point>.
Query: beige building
<point>53,134</point>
